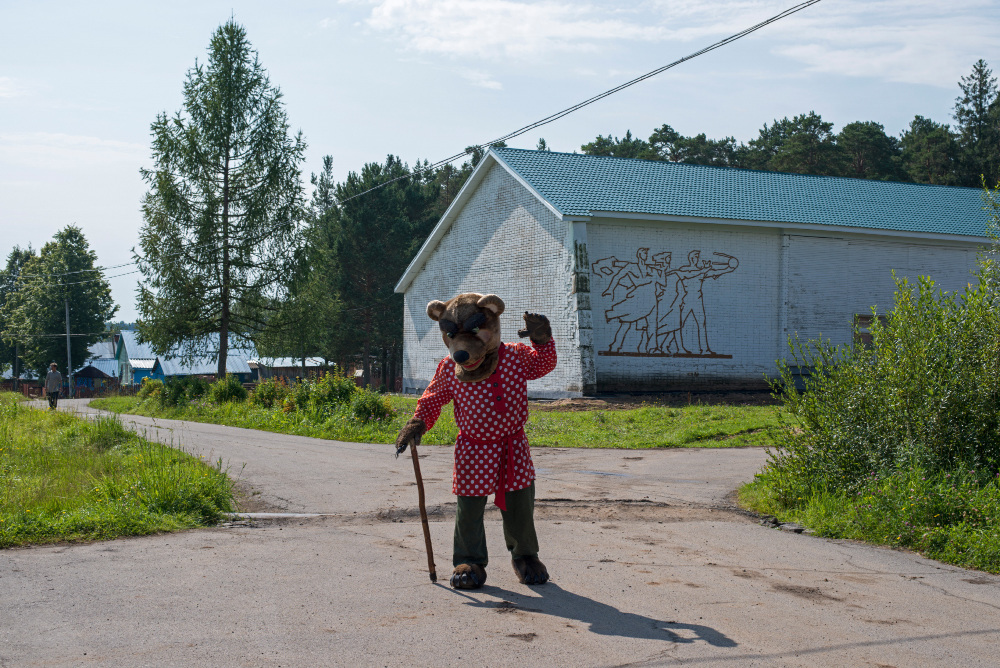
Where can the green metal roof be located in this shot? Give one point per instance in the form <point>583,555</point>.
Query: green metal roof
<point>580,185</point>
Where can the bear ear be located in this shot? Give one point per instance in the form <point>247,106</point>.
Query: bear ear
<point>435,309</point>
<point>491,302</point>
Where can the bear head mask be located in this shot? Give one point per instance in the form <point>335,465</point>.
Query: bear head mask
<point>470,329</point>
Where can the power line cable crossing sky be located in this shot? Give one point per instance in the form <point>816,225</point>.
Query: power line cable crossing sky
<point>520,131</point>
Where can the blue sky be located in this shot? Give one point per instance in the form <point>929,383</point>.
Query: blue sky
<point>80,83</point>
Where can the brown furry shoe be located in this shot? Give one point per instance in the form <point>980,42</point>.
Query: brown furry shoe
<point>468,576</point>
<point>530,570</point>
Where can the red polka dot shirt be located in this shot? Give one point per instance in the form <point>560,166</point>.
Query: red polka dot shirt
<point>491,453</point>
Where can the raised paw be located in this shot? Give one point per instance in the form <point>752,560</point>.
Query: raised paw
<point>537,327</point>
<point>468,576</point>
<point>530,570</point>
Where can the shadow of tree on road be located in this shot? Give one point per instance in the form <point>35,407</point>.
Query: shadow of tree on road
<point>602,618</point>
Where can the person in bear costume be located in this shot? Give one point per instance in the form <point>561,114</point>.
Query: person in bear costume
<point>487,380</point>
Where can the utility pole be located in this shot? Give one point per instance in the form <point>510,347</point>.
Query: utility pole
<point>69,353</point>
<point>17,353</point>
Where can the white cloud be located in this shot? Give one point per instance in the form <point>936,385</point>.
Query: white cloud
<point>911,41</point>
<point>494,29</point>
<point>327,23</point>
<point>10,88</point>
<point>62,152</point>
<point>481,79</point>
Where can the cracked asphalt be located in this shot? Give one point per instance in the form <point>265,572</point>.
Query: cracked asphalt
<point>652,564</point>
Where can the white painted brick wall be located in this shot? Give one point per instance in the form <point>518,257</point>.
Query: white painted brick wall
<point>741,307</point>
<point>833,279</point>
<point>504,241</point>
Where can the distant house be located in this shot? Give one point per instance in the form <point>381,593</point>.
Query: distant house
<point>91,379</point>
<point>101,356</point>
<point>289,367</point>
<point>666,276</point>
<point>138,360</point>
<point>135,360</point>
<point>145,368</point>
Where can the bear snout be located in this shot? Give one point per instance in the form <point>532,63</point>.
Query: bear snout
<point>460,356</point>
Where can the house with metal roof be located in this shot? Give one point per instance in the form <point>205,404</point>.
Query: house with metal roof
<point>138,360</point>
<point>665,276</point>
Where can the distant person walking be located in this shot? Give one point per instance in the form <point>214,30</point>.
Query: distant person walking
<point>53,385</point>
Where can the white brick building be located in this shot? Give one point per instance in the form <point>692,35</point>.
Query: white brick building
<point>663,276</point>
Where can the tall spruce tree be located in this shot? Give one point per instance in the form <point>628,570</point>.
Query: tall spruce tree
<point>977,112</point>
<point>63,275</point>
<point>222,211</point>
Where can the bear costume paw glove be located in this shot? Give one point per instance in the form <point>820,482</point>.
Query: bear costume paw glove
<point>537,328</point>
<point>410,434</point>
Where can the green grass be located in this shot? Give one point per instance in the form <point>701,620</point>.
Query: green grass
<point>65,478</point>
<point>951,517</point>
<point>646,427</point>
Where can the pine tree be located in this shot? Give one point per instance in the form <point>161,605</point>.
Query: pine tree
<point>869,152</point>
<point>374,244</point>
<point>221,215</point>
<point>929,152</point>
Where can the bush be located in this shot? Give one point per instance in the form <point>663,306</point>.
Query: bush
<point>197,387</point>
<point>333,389</point>
<point>269,393</point>
<point>924,395</point>
<point>226,390</point>
<point>150,388</point>
<point>371,406</point>
<point>900,439</point>
<point>178,391</point>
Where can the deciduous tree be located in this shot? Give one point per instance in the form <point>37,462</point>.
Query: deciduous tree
<point>64,272</point>
<point>10,349</point>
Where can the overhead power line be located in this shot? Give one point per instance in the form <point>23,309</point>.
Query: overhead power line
<point>520,131</point>
<point>600,96</point>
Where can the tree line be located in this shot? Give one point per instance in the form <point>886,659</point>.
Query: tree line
<point>929,152</point>
<point>232,248</point>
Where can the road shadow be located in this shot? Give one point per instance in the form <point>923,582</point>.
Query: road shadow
<point>602,618</point>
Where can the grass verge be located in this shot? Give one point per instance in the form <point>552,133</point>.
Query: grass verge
<point>951,517</point>
<point>64,478</point>
<point>646,427</point>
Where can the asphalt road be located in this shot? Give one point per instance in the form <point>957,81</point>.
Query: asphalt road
<point>651,563</point>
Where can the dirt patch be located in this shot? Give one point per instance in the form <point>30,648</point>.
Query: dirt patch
<point>612,402</point>
<point>808,593</point>
<point>249,500</point>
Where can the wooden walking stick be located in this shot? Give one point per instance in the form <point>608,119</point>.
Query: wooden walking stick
<point>423,506</point>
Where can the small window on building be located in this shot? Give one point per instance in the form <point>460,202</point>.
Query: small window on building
<point>863,328</point>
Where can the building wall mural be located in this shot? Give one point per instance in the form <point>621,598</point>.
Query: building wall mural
<point>658,304</point>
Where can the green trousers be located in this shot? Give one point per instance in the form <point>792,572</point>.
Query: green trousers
<point>518,527</point>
